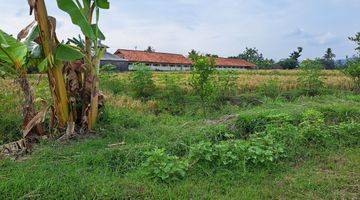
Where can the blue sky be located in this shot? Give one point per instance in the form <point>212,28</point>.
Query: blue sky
<point>223,27</point>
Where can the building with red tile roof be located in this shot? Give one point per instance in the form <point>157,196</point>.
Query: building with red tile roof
<point>173,62</point>
<point>233,63</point>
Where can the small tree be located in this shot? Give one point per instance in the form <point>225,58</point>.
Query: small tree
<point>328,59</point>
<point>150,49</point>
<point>193,54</point>
<point>293,61</point>
<point>310,77</point>
<point>288,63</point>
<point>141,81</point>
<point>296,54</point>
<point>356,39</point>
<point>353,71</point>
<point>203,69</point>
<point>254,56</point>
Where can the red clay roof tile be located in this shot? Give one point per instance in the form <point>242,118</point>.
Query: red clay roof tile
<point>233,62</point>
<point>153,57</point>
<point>169,58</point>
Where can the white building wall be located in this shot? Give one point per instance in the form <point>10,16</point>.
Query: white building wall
<point>161,67</point>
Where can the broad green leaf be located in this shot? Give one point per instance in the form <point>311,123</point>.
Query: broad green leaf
<point>77,16</point>
<point>29,41</point>
<point>7,70</point>
<point>87,5</point>
<point>43,65</point>
<point>11,51</point>
<point>3,42</point>
<point>97,32</point>
<point>104,4</point>
<point>65,52</point>
<point>36,52</point>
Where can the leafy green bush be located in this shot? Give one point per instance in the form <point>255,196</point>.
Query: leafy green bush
<point>141,81</point>
<point>353,71</point>
<point>200,80</point>
<point>310,77</point>
<point>218,133</point>
<point>108,68</point>
<point>228,154</point>
<point>288,136</point>
<point>313,127</point>
<point>347,133</point>
<point>248,124</point>
<point>202,152</point>
<point>258,150</point>
<point>264,150</point>
<point>161,166</point>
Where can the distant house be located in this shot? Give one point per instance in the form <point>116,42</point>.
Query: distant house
<point>176,62</point>
<point>233,64</point>
<point>155,60</point>
<point>111,59</point>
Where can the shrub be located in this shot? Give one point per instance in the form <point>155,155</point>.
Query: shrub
<point>288,63</point>
<point>219,133</point>
<point>161,166</point>
<point>202,152</point>
<point>264,150</point>
<point>200,80</point>
<point>347,134</point>
<point>288,135</point>
<point>258,150</point>
<point>310,77</point>
<point>108,68</point>
<point>141,81</point>
<point>230,153</point>
<point>313,127</point>
<point>249,124</point>
<point>353,71</point>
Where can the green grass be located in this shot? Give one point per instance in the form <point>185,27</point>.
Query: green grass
<point>91,169</point>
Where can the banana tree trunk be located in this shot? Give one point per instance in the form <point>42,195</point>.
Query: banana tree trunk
<point>94,101</point>
<point>92,65</point>
<point>29,111</point>
<point>55,74</point>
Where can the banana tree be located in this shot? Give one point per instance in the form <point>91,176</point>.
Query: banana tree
<point>14,60</point>
<point>82,15</point>
<point>72,70</point>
